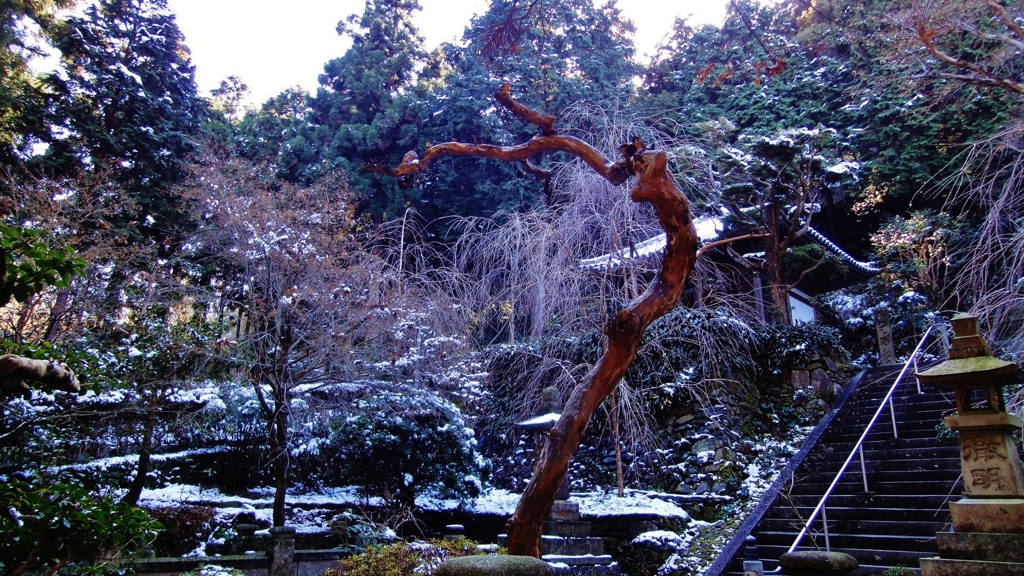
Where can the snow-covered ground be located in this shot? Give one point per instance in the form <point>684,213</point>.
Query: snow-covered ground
<point>493,501</point>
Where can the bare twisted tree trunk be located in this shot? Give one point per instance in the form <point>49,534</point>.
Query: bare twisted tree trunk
<point>654,184</point>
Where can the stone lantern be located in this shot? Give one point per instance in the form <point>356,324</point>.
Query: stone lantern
<point>991,516</point>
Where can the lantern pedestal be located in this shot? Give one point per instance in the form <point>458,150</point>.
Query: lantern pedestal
<point>989,520</point>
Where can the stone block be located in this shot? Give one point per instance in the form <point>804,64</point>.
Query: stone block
<point>801,379</point>
<point>282,551</point>
<point>571,546</point>
<point>817,563</point>
<point>575,529</point>
<point>944,567</point>
<point>821,383</point>
<point>565,511</point>
<point>595,570</point>
<point>495,565</point>
<point>989,463</point>
<point>586,560</point>
<point>993,515</point>
<point>981,546</point>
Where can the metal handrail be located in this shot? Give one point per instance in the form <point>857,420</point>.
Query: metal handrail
<point>859,447</point>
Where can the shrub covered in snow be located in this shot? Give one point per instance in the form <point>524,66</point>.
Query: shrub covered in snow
<point>399,446</point>
<point>185,528</point>
<point>854,313</point>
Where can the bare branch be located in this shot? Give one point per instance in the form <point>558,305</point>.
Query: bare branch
<point>821,261</point>
<point>984,76</point>
<point>718,243</point>
<point>545,122</point>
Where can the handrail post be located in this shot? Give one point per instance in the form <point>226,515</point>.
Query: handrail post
<point>863,469</point>
<point>824,522</point>
<point>892,412</point>
<point>919,391</point>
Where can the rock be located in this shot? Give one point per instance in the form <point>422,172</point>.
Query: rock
<point>720,454</point>
<point>496,565</point>
<point>817,405</point>
<point>684,419</point>
<point>821,382</point>
<point>703,488</point>
<point>831,364</point>
<point>818,563</point>
<point>719,488</point>
<point>707,445</point>
<point>801,379</point>
<point>684,489</point>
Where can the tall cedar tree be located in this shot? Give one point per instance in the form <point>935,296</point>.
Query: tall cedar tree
<point>360,114</point>
<point>129,106</point>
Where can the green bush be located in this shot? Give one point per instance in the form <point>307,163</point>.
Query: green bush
<point>403,558</point>
<point>401,448</point>
<point>357,533</point>
<point>47,525</point>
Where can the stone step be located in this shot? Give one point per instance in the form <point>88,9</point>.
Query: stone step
<point>862,570</point>
<point>859,525</point>
<point>846,445</point>
<point>912,409</point>
<point>572,529</point>
<point>847,540</point>
<point>851,484</point>
<point>946,469</point>
<point>881,433</point>
<point>943,567</point>
<point>561,569</point>
<point>876,473</point>
<point>895,515</point>
<point>972,545</point>
<point>925,501</point>
<point>911,478</point>
<point>865,557</point>
<point>571,546</point>
<point>584,560</point>
<point>872,454</point>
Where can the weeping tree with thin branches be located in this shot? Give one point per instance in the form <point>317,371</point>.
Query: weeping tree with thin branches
<point>623,331</point>
<point>979,44</point>
<point>555,273</point>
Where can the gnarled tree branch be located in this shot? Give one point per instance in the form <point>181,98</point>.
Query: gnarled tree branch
<point>654,184</point>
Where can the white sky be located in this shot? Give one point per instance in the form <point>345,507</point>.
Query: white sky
<point>272,45</point>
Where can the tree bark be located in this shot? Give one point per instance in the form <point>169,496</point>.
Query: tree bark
<point>624,330</point>
<point>279,453</point>
<point>145,452</point>
<point>654,184</point>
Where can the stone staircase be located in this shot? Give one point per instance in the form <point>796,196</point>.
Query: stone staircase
<point>568,546</point>
<point>910,480</point>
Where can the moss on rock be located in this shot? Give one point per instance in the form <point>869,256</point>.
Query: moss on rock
<point>498,565</point>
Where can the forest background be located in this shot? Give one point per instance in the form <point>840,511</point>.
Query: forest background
<point>247,281</point>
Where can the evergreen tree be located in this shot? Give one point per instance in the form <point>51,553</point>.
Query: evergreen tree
<point>128,106</point>
<point>361,114</point>
<point>22,96</point>
<point>554,55</point>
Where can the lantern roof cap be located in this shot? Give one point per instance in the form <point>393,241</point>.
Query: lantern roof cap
<point>970,360</point>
